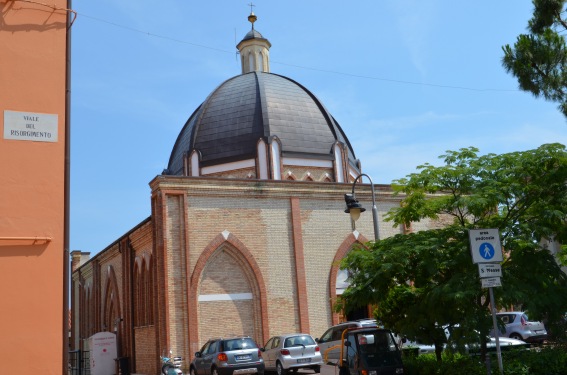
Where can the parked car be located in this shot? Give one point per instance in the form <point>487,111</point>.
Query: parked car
<point>505,344</point>
<point>228,356</point>
<point>332,337</point>
<point>516,325</point>
<point>292,352</point>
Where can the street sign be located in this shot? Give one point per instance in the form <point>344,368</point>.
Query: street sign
<point>485,245</point>
<point>490,282</point>
<point>489,270</point>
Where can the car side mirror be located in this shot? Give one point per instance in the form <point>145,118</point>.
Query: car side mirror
<point>347,343</point>
<point>317,340</point>
<point>262,349</point>
<point>404,340</point>
<point>198,354</point>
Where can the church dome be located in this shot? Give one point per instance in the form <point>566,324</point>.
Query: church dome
<point>262,125</point>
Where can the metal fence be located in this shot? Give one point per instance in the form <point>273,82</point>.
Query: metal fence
<point>79,363</point>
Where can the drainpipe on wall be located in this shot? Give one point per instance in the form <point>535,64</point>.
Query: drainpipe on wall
<point>66,199</point>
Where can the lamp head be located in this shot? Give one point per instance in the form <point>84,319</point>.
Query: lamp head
<point>353,207</point>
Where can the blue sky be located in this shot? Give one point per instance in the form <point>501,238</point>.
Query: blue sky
<point>406,79</point>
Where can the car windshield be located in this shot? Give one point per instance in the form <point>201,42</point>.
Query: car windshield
<point>299,341</point>
<point>239,344</point>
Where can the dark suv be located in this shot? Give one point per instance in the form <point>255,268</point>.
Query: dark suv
<point>228,356</point>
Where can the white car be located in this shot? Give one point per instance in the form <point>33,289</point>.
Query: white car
<point>518,326</point>
<point>292,352</point>
<point>506,343</point>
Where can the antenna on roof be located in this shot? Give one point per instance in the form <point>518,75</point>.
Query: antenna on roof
<point>237,51</point>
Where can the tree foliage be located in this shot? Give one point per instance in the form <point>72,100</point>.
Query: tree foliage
<point>425,280</point>
<point>538,59</point>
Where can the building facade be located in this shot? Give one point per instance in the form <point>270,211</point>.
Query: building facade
<point>247,227</point>
<point>34,123</point>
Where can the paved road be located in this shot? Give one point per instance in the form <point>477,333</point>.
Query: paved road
<point>325,370</point>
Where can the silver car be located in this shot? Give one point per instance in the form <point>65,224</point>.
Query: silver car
<point>518,326</point>
<point>292,352</point>
<point>228,356</point>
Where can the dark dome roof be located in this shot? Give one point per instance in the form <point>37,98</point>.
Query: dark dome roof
<point>253,34</point>
<point>228,124</point>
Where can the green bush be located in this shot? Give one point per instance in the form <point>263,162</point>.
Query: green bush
<point>538,361</point>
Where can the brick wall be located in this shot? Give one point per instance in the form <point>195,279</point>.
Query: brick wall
<point>145,341</point>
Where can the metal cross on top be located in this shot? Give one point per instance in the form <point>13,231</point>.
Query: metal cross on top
<point>251,5</point>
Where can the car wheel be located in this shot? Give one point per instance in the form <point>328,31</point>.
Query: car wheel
<point>279,369</point>
<point>516,336</point>
<point>317,369</point>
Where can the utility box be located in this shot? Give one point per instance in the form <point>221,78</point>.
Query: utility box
<point>103,353</point>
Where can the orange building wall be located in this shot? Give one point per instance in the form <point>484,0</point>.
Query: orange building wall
<point>33,37</point>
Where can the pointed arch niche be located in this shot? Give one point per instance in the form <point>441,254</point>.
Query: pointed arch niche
<point>111,300</point>
<point>227,286</point>
<point>336,276</point>
<point>143,291</point>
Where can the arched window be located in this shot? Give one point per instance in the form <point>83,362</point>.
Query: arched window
<point>251,62</point>
<point>260,62</point>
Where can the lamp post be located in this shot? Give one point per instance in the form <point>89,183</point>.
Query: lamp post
<point>355,209</point>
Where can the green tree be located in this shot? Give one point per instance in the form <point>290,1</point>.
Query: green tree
<point>538,59</point>
<point>425,280</point>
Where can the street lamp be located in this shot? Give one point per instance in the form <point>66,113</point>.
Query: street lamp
<point>355,209</point>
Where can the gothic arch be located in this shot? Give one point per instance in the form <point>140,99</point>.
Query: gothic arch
<point>137,274</point>
<point>148,290</point>
<point>346,246</point>
<point>111,307</point>
<point>228,242</point>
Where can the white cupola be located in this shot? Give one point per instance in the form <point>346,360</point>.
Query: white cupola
<point>254,50</point>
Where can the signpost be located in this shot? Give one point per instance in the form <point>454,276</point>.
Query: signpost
<point>489,270</point>
<point>486,251</point>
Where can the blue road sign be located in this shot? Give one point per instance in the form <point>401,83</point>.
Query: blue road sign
<point>486,250</point>
<point>485,245</point>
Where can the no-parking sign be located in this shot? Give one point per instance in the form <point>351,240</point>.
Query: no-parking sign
<point>485,245</point>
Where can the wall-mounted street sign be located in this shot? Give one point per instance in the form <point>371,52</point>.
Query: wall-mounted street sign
<point>490,282</point>
<point>29,126</point>
<point>485,245</point>
<point>489,270</point>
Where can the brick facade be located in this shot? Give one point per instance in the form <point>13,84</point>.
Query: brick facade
<point>225,257</point>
